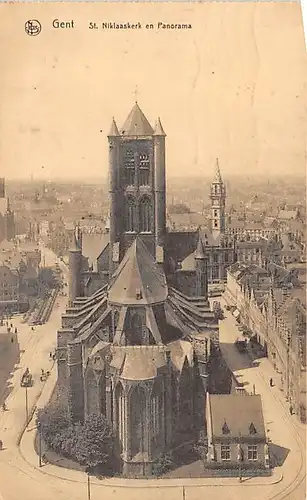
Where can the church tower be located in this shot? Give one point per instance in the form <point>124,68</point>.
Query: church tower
<point>218,203</point>
<point>136,186</point>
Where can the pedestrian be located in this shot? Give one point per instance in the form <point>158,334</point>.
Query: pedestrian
<point>42,371</point>
<point>11,325</point>
<point>12,340</point>
<point>291,410</point>
<point>271,382</point>
<point>16,331</point>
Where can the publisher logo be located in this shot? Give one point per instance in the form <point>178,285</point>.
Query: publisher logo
<point>33,27</point>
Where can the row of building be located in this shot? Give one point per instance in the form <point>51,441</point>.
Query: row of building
<point>271,304</point>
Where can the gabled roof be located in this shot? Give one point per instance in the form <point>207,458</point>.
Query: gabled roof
<point>138,280</point>
<point>240,413</point>
<point>136,124</point>
<point>93,244</point>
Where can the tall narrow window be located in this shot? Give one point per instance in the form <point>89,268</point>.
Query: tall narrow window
<point>138,421</point>
<point>130,214</point>
<point>120,410</point>
<point>145,215</point>
<point>129,162</point>
<point>136,330</point>
<point>144,169</point>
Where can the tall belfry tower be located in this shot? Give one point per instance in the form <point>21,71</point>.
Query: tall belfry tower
<point>218,203</point>
<point>136,186</point>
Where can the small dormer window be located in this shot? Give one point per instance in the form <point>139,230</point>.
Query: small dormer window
<point>139,295</point>
<point>225,428</point>
<point>252,429</point>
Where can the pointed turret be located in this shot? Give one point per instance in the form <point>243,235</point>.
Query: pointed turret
<point>114,132</point>
<point>159,129</point>
<point>200,252</point>
<point>217,174</point>
<point>75,267</point>
<point>8,206</point>
<point>74,247</point>
<point>137,124</point>
<point>201,269</point>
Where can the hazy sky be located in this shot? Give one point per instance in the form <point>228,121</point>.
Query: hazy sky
<point>232,87</point>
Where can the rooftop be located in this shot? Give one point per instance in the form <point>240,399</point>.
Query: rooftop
<point>238,412</point>
<point>138,279</point>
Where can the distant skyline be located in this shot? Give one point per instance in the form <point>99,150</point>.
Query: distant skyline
<point>232,88</point>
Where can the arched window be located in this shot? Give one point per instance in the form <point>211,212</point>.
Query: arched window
<point>156,412</point>
<point>136,330</point>
<point>145,215</point>
<point>120,413</point>
<point>130,214</point>
<point>144,169</point>
<point>129,162</point>
<point>138,421</point>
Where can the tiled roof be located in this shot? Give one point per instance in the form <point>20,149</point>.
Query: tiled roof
<point>138,279</point>
<point>238,412</point>
<point>136,124</point>
<point>92,246</point>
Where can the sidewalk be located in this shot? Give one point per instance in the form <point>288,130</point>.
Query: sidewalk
<point>28,452</point>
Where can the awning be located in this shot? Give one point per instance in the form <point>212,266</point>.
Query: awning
<point>236,313</point>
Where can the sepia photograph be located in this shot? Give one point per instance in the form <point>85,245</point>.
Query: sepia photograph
<point>152,251</point>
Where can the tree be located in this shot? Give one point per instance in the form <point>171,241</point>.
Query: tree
<point>52,421</point>
<point>94,443</point>
<point>89,444</point>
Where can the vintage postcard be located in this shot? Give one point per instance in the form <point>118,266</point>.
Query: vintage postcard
<point>152,251</point>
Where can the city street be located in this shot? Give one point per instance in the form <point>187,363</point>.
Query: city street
<point>21,477</point>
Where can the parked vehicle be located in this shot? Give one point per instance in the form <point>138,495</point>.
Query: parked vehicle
<point>26,379</point>
<point>241,344</point>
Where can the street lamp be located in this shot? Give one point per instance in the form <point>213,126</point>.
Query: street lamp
<point>39,444</point>
<point>27,405</point>
<point>88,487</point>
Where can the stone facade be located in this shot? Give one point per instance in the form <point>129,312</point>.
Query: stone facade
<point>277,321</point>
<point>138,336</point>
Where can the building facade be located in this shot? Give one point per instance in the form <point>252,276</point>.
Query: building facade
<point>7,222</point>
<point>138,337</point>
<point>277,322</point>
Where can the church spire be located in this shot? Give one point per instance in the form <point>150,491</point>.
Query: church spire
<point>218,202</point>
<point>217,173</point>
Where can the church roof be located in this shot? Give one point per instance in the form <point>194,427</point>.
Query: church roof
<point>93,245</point>
<point>138,279</point>
<point>136,124</point>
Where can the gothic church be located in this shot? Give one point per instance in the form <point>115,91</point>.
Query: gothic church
<point>138,338</point>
